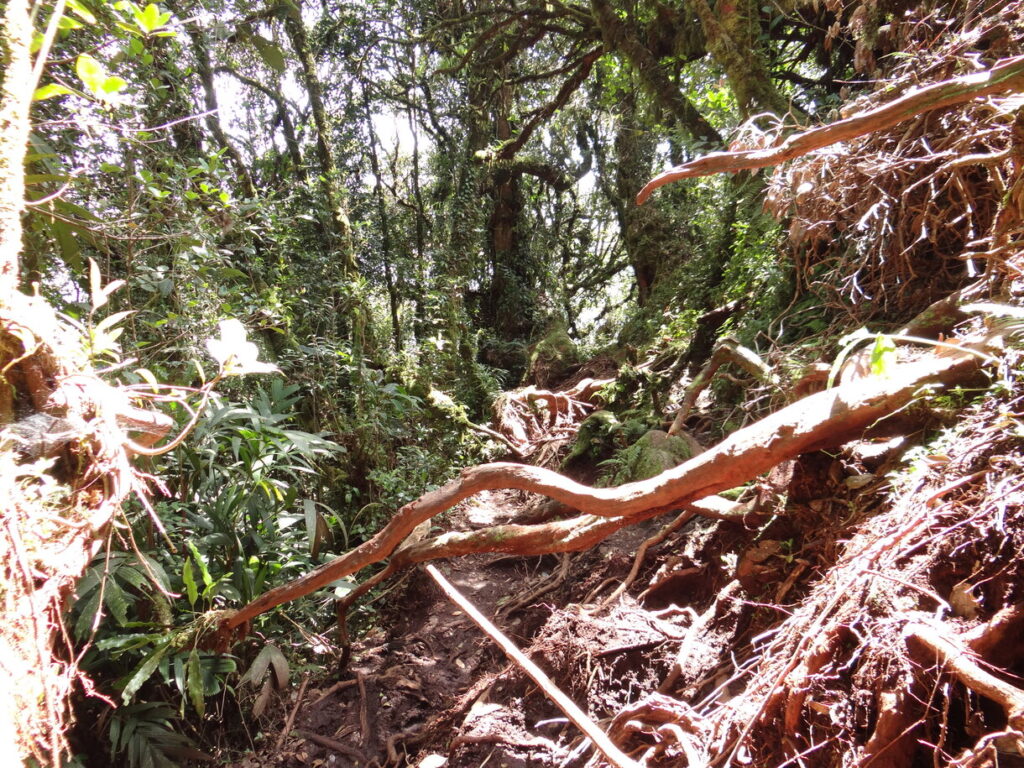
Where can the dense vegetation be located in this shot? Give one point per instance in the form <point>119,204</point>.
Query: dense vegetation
<point>323,239</point>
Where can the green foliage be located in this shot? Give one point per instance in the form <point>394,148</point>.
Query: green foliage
<point>142,735</point>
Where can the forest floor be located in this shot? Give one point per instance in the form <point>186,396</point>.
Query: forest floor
<point>806,628</point>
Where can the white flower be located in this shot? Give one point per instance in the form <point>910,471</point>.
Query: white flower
<point>236,356</point>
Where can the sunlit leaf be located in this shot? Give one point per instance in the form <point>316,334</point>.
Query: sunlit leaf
<point>883,355</point>
<point>81,11</point>
<point>91,73</point>
<point>49,91</point>
<point>191,590</point>
<point>234,353</point>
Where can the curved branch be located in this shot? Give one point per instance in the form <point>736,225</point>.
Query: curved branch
<point>824,419</point>
<point>569,87</point>
<point>1005,76</point>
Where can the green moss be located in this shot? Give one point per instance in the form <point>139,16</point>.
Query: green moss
<point>651,455</point>
<point>594,437</point>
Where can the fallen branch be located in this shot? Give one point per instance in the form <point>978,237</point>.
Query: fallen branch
<point>1008,75</point>
<point>337,746</point>
<point>612,753</point>
<point>820,420</point>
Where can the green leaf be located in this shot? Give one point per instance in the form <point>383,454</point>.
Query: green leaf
<point>65,207</point>
<point>149,19</point>
<point>70,251</point>
<point>91,73</point>
<point>87,615</point>
<point>190,583</point>
<point>195,682</point>
<point>883,355</point>
<point>49,91</point>
<point>116,601</point>
<point>143,672</point>
<point>114,84</point>
<point>270,53</point>
<point>204,572</point>
<point>42,178</point>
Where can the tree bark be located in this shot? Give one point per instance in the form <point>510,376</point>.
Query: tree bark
<point>733,38</point>
<point>385,225</point>
<point>1008,75</point>
<point>619,36</point>
<point>204,68</point>
<point>287,127</point>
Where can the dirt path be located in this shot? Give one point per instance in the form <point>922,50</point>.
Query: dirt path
<point>424,664</point>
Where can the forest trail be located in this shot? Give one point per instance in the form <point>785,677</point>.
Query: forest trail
<point>432,666</point>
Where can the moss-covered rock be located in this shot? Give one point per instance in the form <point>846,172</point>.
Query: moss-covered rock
<point>553,358</point>
<point>651,455</point>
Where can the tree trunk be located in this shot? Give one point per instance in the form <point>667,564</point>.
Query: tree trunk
<point>733,38</point>
<point>333,190</point>
<point>385,226</point>
<point>204,68</point>
<point>15,100</point>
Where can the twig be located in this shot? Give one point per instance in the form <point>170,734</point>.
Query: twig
<point>611,752</point>
<point>364,720</point>
<point>291,718</point>
<point>333,689</point>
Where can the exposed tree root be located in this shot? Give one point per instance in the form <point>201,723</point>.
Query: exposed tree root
<point>641,554</point>
<point>1007,75</point>
<point>954,656</point>
<point>549,584</point>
